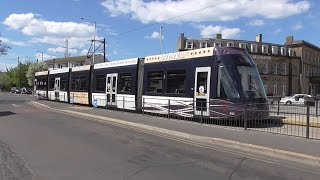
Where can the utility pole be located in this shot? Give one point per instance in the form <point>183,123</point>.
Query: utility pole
<point>94,40</point>
<point>19,72</point>
<point>66,55</point>
<point>104,49</point>
<point>161,39</point>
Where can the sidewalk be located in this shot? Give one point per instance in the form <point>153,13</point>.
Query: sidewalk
<point>274,141</point>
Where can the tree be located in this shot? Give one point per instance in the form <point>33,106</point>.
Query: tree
<point>3,48</point>
<point>17,75</point>
<point>5,81</point>
<point>33,68</point>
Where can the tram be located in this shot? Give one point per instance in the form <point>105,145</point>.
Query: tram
<point>218,83</point>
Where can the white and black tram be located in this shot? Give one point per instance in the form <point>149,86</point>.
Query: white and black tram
<point>211,82</point>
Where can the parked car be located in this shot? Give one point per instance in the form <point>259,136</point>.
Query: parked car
<point>15,90</point>
<point>25,90</point>
<point>295,99</point>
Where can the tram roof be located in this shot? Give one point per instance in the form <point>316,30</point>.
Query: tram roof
<point>58,71</point>
<point>203,52</point>
<point>81,68</point>
<point>41,73</point>
<point>125,62</point>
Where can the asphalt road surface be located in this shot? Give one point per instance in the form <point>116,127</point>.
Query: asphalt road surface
<point>57,146</point>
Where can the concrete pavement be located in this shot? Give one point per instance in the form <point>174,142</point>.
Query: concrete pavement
<point>273,141</point>
<point>57,146</point>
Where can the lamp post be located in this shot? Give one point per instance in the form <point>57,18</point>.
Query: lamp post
<point>94,37</point>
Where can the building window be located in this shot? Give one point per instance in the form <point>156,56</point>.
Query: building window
<point>275,89</point>
<point>189,45</point>
<point>203,44</point>
<point>284,69</point>
<point>230,44</point>
<point>275,50</point>
<point>176,81</point>
<point>100,83</point>
<point>275,68</point>
<point>265,68</point>
<point>283,89</point>
<point>290,51</point>
<point>283,51</point>
<point>124,82</point>
<point>243,45</point>
<point>154,82</point>
<point>265,49</point>
<point>254,48</point>
<point>217,44</point>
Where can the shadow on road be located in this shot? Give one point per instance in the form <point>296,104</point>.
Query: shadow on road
<point>6,113</point>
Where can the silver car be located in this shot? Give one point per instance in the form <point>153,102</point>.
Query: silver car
<point>295,99</point>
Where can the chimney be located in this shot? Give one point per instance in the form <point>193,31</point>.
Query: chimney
<point>218,36</point>
<point>289,40</point>
<point>181,42</point>
<point>259,38</point>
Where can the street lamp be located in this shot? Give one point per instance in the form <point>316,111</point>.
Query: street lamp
<point>94,37</point>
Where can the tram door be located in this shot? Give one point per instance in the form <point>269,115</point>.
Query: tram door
<point>57,88</point>
<point>111,88</point>
<point>202,91</point>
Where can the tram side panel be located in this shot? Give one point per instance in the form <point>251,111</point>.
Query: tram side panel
<point>41,84</point>
<point>80,85</point>
<point>58,88</point>
<point>114,84</point>
<point>168,88</point>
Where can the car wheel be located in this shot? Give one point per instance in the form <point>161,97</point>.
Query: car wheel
<point>288,103</point>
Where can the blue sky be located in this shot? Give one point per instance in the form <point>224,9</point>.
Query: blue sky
<point>37,25</point>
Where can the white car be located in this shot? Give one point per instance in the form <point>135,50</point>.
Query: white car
<point>295,99</point>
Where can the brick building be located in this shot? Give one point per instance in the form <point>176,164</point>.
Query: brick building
<point>310,64</point>
<point>279,66</point>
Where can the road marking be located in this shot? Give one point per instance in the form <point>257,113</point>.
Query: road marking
<point>15,105</point>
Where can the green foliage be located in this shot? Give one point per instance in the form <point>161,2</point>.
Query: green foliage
<point>5,82</point>
<point>3,48</point>
<point>16,76</point>
<point>33,68</point>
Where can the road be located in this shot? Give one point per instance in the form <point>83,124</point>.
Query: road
<point>57,146</point>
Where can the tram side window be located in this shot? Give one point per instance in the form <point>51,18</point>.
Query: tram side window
<point>100,83</point>
<point>176,81</point>
<point>124,84</point>
<point>75,84</point>
<point>63,84</point>
<point>41,84</point>
<point>83,85</point>
<point>51,84</point>
<point>155,82</point>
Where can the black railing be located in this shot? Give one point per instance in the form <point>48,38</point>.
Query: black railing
<point>300,120</point>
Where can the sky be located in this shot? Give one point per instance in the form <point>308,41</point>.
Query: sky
<point>132,27</point>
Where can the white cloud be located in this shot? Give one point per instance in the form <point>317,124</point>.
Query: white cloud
<point>84,52</point>
<point>154,35</point>
<point>278,31</point>
<point>256,22</point>
<point>297,26</point>
<point>14,43</point>
<point>62,50</point>
<point>38,56</point>
<point>157,11</point>
<point>210,31</point>
<point>51,32</point>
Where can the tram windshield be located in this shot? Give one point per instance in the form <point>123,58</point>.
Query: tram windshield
<point>239,79</point>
